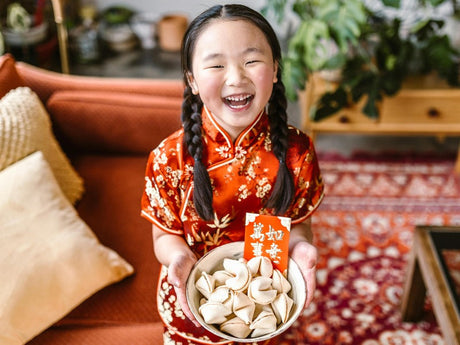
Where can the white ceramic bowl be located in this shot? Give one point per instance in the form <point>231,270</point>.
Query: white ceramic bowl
<point>212,261</point>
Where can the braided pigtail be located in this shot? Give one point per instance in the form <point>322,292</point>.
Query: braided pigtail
<point>283,190</point>
<point>191,120</point>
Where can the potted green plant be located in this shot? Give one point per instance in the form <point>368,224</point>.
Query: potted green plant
<point>326,31</point>
<point>374,54</point>
<point>23,29</point>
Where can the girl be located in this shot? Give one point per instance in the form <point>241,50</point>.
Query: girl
<point>234,154</point>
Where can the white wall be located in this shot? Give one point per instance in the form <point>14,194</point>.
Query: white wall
<point>189,7</point>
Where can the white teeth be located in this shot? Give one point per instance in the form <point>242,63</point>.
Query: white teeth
<point>237,99</point>
<point>238,106</point>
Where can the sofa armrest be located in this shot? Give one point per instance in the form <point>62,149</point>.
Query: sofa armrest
<point>9,76</point>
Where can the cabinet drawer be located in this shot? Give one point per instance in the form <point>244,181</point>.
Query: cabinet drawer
<point>422,106</point>
<point>349,115</point>
<point>345,116</point>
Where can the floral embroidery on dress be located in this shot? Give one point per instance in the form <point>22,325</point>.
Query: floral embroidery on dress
<point>211,239</point>
<point>223,151</point>
<point>164,308</point>
<point>244,192</point>
<point>263,187</point>
<point>160,159</point>
<point>268,143</point>
<point>174,176</point>
<point>221,223</point>
<point>167,340</point>
<point>251,170</point>
<point>157,203</point>
<point>240,153</point>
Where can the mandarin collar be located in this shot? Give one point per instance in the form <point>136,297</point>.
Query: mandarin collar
<point>219,135</point>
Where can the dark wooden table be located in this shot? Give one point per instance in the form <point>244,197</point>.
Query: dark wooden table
<point>428,270</point>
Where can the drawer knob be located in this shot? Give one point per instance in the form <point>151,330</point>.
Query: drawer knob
<point>344,119</point>
<point>433,113</point>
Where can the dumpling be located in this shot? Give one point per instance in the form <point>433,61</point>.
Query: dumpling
<point>205,284</point>
<point>221,277</point>
<point>224,295</point>
<point>264,323</point>
<point>214,312</point>
<point>240,272</point>
<point>260,308</point>
<point>243,307</point>
<point>282,307</point>
<point>280,283</point>
<point>260,290</point>
<point>236,327</point>
<point>260,265</point>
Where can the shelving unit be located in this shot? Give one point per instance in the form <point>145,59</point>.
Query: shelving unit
<point>424,106</point>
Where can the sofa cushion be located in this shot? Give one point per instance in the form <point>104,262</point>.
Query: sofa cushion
<point>50,260</point>
<point>111,122</point>
<point>9,76</point>
<point>25,127</point>
<point>132,334</point>
<point>111,207</point>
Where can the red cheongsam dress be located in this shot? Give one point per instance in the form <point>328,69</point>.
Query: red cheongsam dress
<point>242,175</point>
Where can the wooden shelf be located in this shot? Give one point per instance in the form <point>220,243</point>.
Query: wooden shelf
<point>424,106</point>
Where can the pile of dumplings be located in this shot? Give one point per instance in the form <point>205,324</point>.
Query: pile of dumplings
<point>246,298</point>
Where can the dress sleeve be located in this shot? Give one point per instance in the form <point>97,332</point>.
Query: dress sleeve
<point>160,202</point>
<point>308,185</point>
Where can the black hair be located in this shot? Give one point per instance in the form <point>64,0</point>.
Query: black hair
<point>283,191</point>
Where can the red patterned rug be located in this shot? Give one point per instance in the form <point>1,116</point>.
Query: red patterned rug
<point>363,230</point>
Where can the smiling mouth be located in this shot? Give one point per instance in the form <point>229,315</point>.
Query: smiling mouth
<point>238,102</point>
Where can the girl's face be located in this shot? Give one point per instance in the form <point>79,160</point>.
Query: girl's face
<point>233,72</point>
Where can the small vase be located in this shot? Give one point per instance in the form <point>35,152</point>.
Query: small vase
<point>171,30</point>
<point>143,25</point>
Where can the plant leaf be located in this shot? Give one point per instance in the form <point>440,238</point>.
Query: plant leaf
<point>370,109</point>
<point>392,3</point>
<point>329,103</point>
<point>294,77</point>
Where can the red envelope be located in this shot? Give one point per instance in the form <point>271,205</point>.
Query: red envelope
<point>267,236</point>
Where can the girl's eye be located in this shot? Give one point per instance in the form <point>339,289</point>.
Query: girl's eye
<point>216,66</point>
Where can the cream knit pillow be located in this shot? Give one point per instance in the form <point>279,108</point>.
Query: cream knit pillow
<point>25,127</point>
<point>50,260</point>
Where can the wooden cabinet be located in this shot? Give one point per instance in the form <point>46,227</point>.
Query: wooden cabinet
<point>424,106</point>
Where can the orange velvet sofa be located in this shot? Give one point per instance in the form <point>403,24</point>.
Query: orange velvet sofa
<point>107,127</point>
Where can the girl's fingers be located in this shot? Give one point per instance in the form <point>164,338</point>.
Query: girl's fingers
<point>310,279</point>
<point>305,255</point>
<point>182,299</point>
<point>178,272</point>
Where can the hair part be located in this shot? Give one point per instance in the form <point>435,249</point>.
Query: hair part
<point>283,190</point>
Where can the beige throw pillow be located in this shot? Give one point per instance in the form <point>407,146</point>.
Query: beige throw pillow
<point>50,261</point>
<point>25,127</point>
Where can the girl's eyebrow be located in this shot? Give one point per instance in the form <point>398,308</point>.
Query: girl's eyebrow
<point>212,56</point>
<point>253,50</point>
<point>249,50</point>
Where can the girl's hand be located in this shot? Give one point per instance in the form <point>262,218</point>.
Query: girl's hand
<point>178,271</point>
<point>173,252</point>
<point>305,256</point>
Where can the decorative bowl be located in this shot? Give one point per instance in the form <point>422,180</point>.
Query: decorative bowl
<point>212,261</point>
